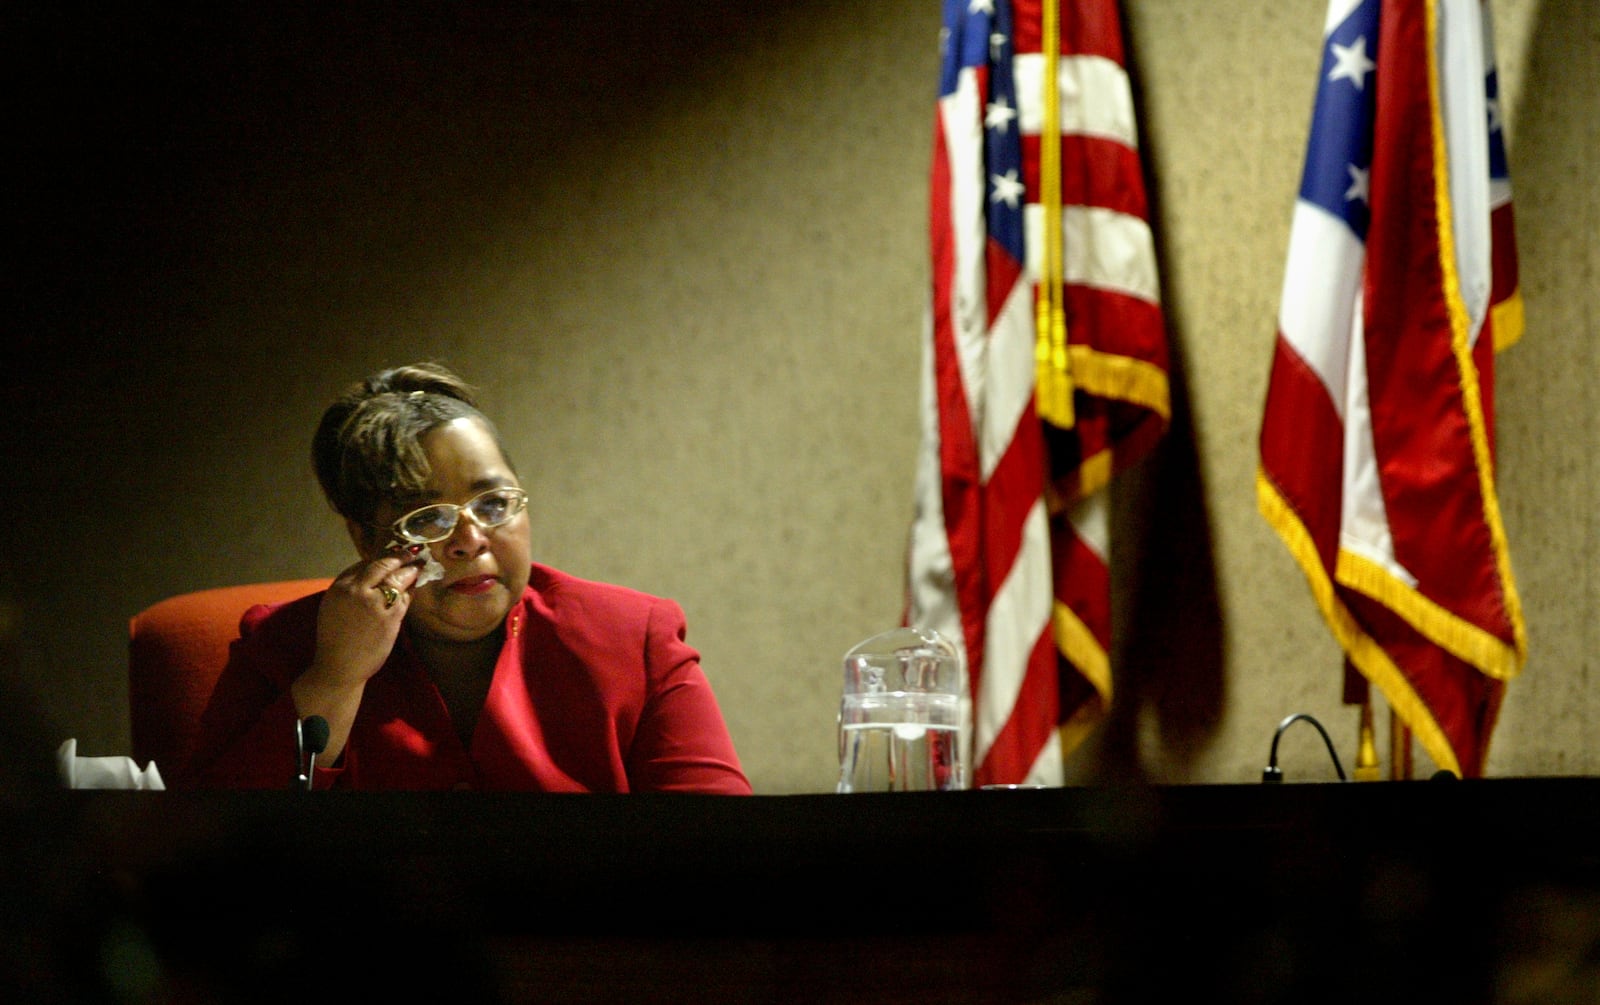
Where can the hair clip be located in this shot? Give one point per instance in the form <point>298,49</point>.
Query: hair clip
<point>417,394</point>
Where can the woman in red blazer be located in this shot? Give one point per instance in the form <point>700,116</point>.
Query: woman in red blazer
<point>445,658</point>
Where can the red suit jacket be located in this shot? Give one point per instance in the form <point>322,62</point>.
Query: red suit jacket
<point>595,690</point>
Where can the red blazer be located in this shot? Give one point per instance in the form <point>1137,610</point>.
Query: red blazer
<point>595,690</point>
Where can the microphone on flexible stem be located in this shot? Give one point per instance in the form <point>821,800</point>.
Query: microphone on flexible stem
<point>310,739</point>
<point>1275,774</point>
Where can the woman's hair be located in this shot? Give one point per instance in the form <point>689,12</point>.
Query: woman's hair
<point>368,446</point>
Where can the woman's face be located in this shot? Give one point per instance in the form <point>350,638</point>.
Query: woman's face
<point>485,569</point>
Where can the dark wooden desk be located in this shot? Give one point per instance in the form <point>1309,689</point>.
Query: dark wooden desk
<point>1417,891</point>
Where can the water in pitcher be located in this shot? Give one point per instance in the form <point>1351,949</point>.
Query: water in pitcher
<point>900,743</point>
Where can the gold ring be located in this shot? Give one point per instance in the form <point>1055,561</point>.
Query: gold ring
<point>390,595</point>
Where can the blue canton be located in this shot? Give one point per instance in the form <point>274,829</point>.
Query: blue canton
<point>1498,169</point>
<point>1339,152</point>
<point>977,34</point>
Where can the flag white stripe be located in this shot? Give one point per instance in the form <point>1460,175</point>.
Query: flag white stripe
<point>1091,521</point>
<point>963,132</point>
<point>1008,398</point>
<point>1338,11</point>
<point>1019,615</point>
<point>1105,250</point>
<point>932,585</point>
<point>1466,129</point>
<point>1321,284</point>
<point>1108,116</point>
<point>1049,768</point>
<point>1364,514</point>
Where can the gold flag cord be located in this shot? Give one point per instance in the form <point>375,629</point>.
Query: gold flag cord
<point>1053,380</point>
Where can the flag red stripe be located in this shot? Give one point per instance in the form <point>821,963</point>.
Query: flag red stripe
<point>1033,718</point>
<point>1082,580</point>
<point>1017,480</point>
<point>1463,701</point>
<point>1088,27</point>
<point>1503,233</point>
<point>1129,326</point>
<point>1440,535</point>
<point>1095,171</point>
<point>1302,437</point>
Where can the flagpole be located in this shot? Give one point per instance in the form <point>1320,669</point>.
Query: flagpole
<point>1400,767</point>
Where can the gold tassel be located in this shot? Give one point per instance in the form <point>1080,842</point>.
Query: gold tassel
<point>1053,376</point>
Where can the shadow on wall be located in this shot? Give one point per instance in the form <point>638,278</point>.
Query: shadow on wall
<point>1167,650</point>
<point>1555,141</point>
<point>41,882</point>
<point>1543,378</point>
<point>1545,427</point>
<point>1167,645</point>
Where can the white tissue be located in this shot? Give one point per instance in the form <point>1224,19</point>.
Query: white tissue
<point>103,772</point>
<point>431,569</point>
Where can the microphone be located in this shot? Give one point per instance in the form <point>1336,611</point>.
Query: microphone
<point>310,739</point>
<point>1275,774</point>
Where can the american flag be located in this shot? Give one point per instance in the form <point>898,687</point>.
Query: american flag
<point>1010,545</point>
<point>1378,434</point>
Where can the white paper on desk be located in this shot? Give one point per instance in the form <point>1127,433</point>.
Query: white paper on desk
<point>103,772</point>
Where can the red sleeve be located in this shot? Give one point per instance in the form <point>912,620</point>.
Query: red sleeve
<point>247,732</point>
<point>682,743</point>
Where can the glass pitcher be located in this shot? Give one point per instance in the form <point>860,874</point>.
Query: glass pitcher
<point>905,716</point>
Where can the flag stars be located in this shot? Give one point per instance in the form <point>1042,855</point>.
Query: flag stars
<point>981,7</point>
<point>997,46</point>
<point>1350,63</point>
<point>1000,115</point>
<point>1494,115</point>
<point>1359,184</point>
<point>1007,188</point>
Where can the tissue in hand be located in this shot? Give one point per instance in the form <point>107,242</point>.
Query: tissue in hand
<point>431,569</point>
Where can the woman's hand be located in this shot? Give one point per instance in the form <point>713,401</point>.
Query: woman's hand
<point>361,616</point>
<point>357,626</point>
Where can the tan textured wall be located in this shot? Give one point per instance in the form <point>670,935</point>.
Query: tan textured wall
<point>682,251</point>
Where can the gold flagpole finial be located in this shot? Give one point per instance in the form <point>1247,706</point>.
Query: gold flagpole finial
<point>1367,769</point>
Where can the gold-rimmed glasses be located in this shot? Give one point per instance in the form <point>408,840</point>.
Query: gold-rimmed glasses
<point>437,521</point>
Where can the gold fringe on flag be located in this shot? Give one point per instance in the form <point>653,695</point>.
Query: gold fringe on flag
<point>1053,375</point>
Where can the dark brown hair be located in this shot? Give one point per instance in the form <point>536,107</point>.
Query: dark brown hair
<point>368,447</point>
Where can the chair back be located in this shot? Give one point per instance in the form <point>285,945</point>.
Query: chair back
<point>176,651</point>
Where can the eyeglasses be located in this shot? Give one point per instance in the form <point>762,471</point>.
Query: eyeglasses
<point>438,521</point>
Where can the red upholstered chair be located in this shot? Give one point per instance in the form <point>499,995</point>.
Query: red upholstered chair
<point>176,651</point>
